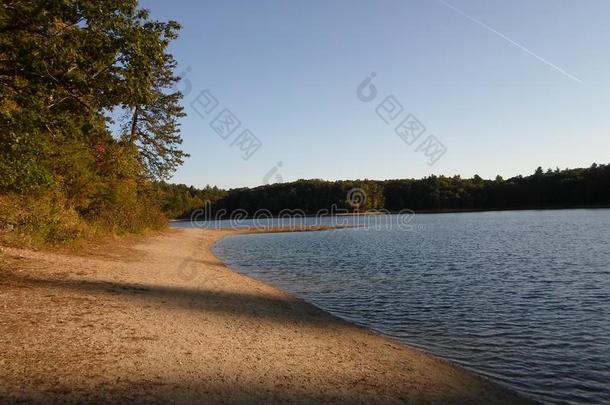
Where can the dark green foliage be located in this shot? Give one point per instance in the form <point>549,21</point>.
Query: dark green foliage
<point>152,124</point>
<point>179,200</point>
<point>307,195</point>
<point>550,189</point>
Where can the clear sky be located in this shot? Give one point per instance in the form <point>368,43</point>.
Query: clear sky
<point>505,86</point>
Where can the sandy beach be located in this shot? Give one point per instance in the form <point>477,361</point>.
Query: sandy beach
<point>164,321</point>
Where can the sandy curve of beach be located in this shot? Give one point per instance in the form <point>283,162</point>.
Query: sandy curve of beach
<point>164,321</point>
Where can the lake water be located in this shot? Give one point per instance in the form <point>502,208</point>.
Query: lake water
<point>522,297</point>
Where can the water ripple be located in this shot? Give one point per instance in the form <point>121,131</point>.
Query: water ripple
<point>520,297</point>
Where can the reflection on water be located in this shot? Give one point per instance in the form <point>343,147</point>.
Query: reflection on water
<point>522,297</point>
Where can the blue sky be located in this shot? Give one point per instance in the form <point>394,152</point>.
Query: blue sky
<point>504,86</point>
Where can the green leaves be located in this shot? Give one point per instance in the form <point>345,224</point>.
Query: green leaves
<point>63,65</point>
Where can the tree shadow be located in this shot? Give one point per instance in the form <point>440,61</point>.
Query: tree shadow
<point>224,392</point>
<point>321,386</point>
<point>283,308</point>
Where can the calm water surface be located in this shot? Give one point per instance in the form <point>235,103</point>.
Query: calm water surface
<point>522,297</point>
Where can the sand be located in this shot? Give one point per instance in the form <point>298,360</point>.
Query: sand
<point>164,321</point>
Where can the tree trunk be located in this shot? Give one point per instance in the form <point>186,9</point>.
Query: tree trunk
<point>133,136</point>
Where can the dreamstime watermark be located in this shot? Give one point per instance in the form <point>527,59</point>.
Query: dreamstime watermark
<point>408,127</point>
<point>333,218</point>
<point>335,221</point>
<point>273,175</point>
<point>356,197</point>
<point>225,123</point>
<point>188,269</point>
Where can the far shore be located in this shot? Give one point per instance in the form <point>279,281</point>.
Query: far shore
<point>439,211</point>
<point>162,320</point>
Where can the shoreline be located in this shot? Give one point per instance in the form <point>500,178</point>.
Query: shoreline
<point>166,320</point>
<point>411,346</point>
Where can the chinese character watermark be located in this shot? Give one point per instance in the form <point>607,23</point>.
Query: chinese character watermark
<point>410,129</point>
<point>224,122</point>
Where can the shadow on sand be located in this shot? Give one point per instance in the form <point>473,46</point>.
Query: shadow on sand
<point>280,309</point>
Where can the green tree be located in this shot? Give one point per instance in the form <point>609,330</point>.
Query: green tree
<point>65,64</point>
<point>151,121</point>
<point>65,67</point>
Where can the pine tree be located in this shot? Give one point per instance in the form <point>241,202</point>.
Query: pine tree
<point>154,128</point>
<point>65,67</point>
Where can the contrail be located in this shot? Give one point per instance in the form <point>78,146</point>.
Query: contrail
<point>518,45</point>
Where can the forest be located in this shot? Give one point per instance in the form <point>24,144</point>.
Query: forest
<point>89,119</point>
<point>568,188</point>
<point>90,137</point>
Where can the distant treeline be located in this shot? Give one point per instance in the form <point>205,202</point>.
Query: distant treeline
<point>543,189</point>
<point>178,200</point>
